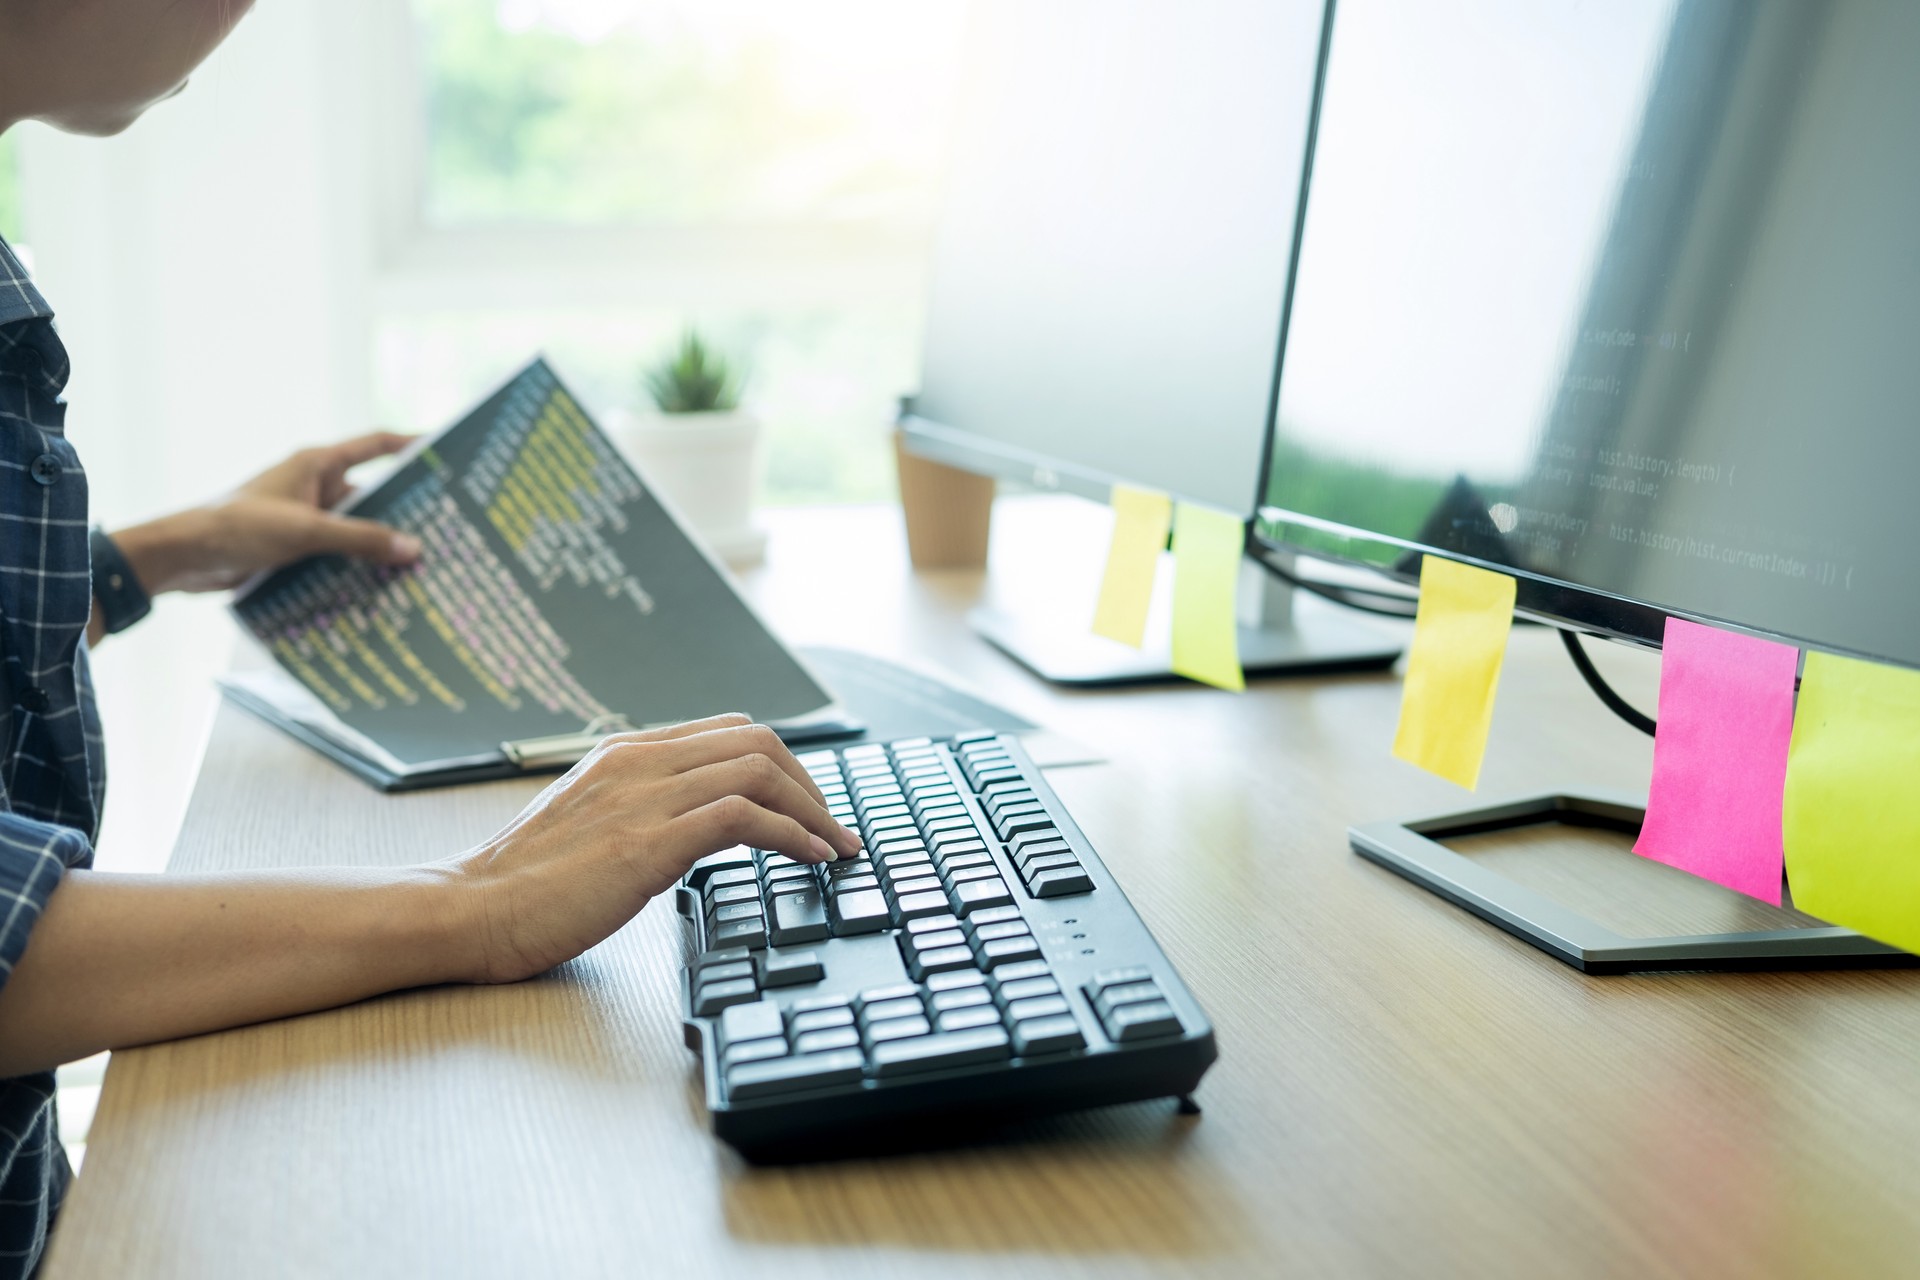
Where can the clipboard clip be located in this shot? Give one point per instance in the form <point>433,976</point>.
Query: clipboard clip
<point>562,748</point>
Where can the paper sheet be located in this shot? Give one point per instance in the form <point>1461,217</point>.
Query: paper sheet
<point>1140,522</point>
<point>1453,668</point>
<point>1207,546</point>
<point>1852,810</point>
<point>1720,757</point>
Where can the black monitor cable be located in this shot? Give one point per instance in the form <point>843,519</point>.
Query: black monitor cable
<point>1386,604</point>
<point>1604,691</point>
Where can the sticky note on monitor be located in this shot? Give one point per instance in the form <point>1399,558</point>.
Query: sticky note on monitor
<point>1453,668</point>
<point>1852,807</point>
<point>1720,757</point>
<point>1207,546</point>
<point>1140,522</point>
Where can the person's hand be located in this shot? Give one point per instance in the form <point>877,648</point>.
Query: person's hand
<point>623,825</point>
<point>278,516</point>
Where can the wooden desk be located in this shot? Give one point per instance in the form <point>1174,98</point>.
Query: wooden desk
<point>1403,1090</point>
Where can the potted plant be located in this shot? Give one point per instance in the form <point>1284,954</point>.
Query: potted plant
<point>699,449</point>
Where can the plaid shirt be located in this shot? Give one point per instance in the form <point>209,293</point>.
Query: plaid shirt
<point>52,772</point>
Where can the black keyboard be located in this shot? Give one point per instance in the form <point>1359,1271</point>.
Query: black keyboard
<point>978,964</point>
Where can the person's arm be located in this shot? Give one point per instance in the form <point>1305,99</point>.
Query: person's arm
<point>118,960</point>
<point>278,516</point>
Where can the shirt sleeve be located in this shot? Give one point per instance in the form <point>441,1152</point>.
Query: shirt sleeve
<point>33,857</point>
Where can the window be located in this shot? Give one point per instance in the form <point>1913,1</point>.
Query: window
<point>9,189</point>
<point>592,176</point>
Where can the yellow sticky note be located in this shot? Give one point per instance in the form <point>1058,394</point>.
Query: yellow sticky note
<point>1140,520</point>
<point>1206,573</point>
<point>1453,668</point>
<point>1851,815</point>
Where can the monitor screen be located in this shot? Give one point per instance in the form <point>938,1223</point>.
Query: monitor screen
<point>1110,265</point>
<point>1623,298</point>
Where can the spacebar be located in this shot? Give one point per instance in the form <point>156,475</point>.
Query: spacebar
<point>950,1049</point>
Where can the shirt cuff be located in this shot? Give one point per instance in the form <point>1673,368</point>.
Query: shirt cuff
<point>33,857</point>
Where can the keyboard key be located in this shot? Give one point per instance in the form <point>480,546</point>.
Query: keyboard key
<point>979,893</point>
<point>1060,882</point>
<point>727,972</point>
<point>951,863</point>
<point>790,970</point>
<point>881,1010</point>
<point>822,1020</point>
<point>948,1049</point>
<point>985,778</point>
<point>916,884</point>
<point>1006,799</point>
<point>961,1019</point>
<point>735,911</point>
<point>1143,1021</point>
<point>860,911</point>
<point>896,991</point>
<point>785,1075</point>
<point>713,997</point>
<point>1002,950</point>
<point>1004,929</point>
<point>1047,1035</point>
<point>961,998</point>
<point>896,1029</point>
<point>1111,998</point>
<point>731,875</point>
<point>753,1050</point>
<point>955,981</point>
<point>1032,864</point>
<point>739,933</point>
<point>994,915</point>
<point>799,917</point>
<point>725,955</point>
<point>1114,977</point>
<point>825,1039</point>
<point>964,874</point>
<point>934,924</point>
<point>814,759</point>
<point>941,812</point>
<point>853,884</point>
<point>1024,822</point>
<point>1034,842</point>
<point>940,959</point>
<point>927,940</point>
<point>734,893</point>
<point>755,1021</point>
<point>1038,1007</point>
<point>1027,988</point>
<point>957,840</point>
<point>934,830</point>
<point>714,863</point>
<point>961,740</point>
<point>916,905</point>
<point>1021,970</point>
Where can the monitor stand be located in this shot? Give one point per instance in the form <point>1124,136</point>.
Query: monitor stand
<point>1275,637</point>
<point>1414,850</point>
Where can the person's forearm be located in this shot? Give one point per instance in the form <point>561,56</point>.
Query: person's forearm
<point>120,960</point>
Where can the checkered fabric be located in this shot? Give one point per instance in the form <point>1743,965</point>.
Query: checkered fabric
<point>52,771</point>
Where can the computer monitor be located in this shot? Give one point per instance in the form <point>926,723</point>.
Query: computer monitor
<point>1109,272</point>
<point>1621,300</point>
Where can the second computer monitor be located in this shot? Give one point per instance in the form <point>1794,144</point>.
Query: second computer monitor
<point>1111,263</point>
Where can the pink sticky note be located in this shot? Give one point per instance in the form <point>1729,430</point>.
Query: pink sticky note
<point>1720,758</point>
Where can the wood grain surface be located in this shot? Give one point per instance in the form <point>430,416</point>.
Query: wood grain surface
<point>1402,1090</point>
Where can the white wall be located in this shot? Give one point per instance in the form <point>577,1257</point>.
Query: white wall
<point>210,271</point>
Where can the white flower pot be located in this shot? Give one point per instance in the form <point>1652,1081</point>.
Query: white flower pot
<point>707,466</point>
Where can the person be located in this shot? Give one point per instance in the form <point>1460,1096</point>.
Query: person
<point>91,960</point>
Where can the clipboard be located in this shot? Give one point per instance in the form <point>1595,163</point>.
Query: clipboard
<point>558,599</point>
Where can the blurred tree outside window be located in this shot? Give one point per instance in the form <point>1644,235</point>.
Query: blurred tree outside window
<point>676,116</point>
<point>10,230</point>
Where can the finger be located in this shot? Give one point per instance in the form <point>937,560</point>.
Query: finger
<point>761,780</point>
<point>327,534</point>
<point>375,444</point>
<point>695,750</point>
<point>734,819</point>
<point>666,733</point>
